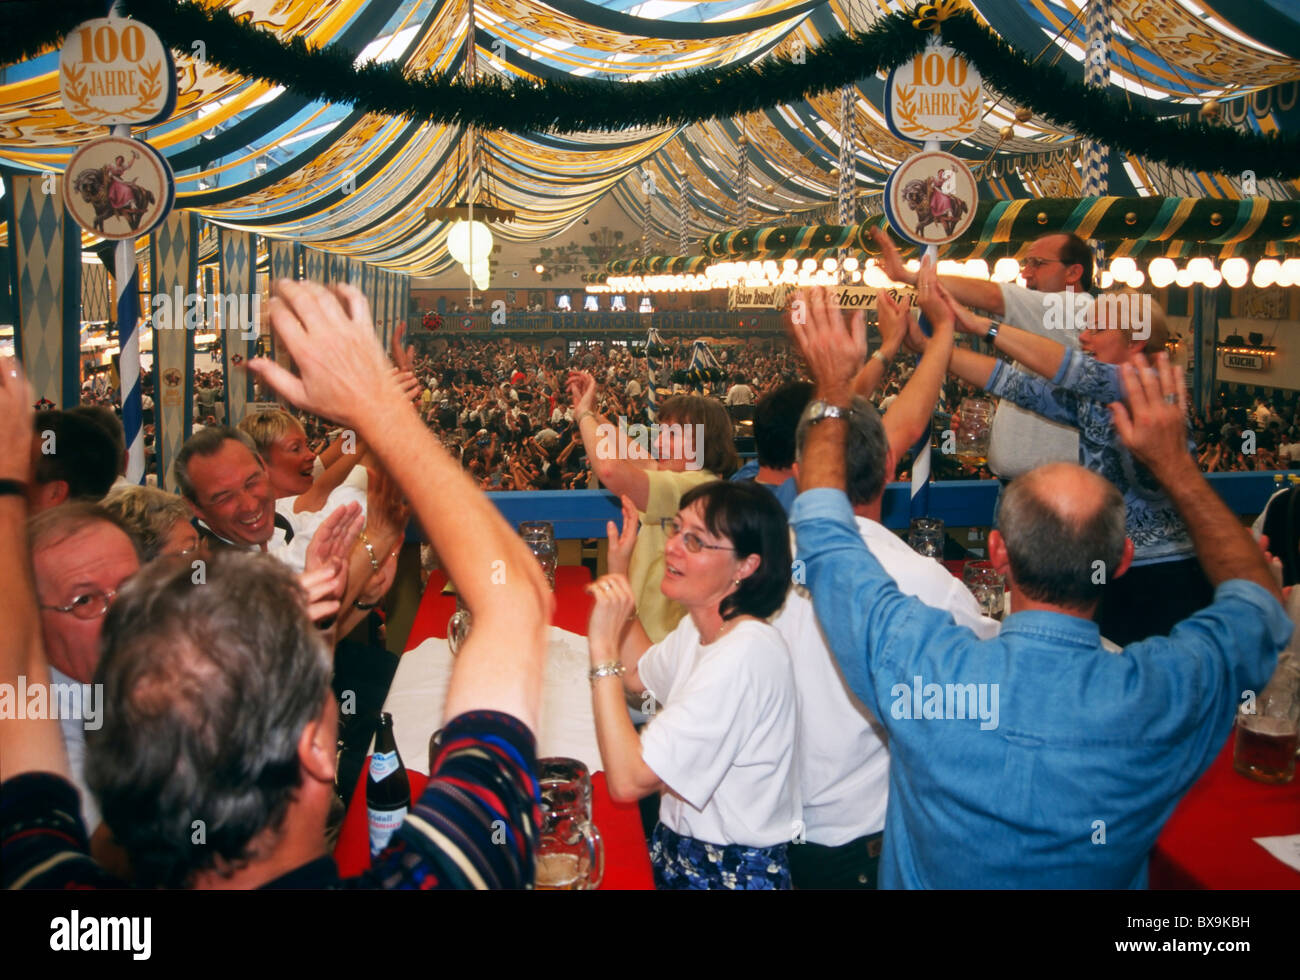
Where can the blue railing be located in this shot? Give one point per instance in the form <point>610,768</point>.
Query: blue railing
<point>959,503</point>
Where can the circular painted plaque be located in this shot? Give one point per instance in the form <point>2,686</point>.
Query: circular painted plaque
<point>930,199</point>
<point>118,188</point>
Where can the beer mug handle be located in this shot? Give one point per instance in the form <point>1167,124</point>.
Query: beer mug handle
<point>596,867</point>
<point>453,630</point>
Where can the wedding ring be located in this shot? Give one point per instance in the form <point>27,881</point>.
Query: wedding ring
<point>1171,398</point>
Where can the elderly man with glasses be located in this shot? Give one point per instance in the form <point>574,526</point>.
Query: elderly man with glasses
<point>1058,277</point>
<point>81,555</point>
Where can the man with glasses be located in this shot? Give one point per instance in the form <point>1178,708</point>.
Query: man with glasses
<point>81,555</point>
<point>1058,279</point>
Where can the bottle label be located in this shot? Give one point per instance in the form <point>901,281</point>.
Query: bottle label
<point>383,763</point>
<point>383,824</point>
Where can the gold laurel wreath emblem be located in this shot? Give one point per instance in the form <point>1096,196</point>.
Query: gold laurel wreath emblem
<point>928,16</point>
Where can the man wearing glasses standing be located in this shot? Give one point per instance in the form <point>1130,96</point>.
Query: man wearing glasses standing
<point>1058,279</point>
<point>81,556</point>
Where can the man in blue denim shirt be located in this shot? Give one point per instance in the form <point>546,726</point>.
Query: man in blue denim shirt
<point>1035,759</point>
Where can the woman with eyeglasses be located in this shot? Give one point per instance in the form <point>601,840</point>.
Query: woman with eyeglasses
<point>719,749</point>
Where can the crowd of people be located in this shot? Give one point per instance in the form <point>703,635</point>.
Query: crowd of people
<point>818,706</point>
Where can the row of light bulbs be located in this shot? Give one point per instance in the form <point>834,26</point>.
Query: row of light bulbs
<point>1162,272</point>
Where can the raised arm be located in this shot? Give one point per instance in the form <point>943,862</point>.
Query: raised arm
<point>1153,427</point>
<point>979,293</point>
<point>27,744</point>
<point>912,410</point>
<point>1042,355</point>
<point>624,477</point>
<point>344,375</point>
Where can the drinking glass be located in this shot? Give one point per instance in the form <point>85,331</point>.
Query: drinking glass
<point>972,431</point>
<point>540,538</point>
<point>1265,746</point>
<point>925,536</point>
<point>570,852</point>
<point>987,586</point>
<point>458,627</point>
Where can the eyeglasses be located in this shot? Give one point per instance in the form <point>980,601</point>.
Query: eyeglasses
<point>673,527</point>
<point>92,605</point>
<point>1033,262</point>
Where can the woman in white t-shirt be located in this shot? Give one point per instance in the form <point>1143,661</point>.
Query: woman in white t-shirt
<point>721,749</point>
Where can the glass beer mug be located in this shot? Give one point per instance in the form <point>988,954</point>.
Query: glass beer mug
<point>540,538</point>
<point>570,853</point>
<point>975,420</point>
<point>458,627</point>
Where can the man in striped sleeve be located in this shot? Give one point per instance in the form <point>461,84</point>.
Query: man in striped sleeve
<point>214,765</point>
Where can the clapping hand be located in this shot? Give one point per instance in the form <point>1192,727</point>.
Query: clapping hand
<point>623,541</point>
<point>615,605</point>
<point>891,263</point>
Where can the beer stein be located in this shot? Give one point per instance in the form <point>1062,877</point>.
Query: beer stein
<point>986,585</point>
<point>458,627</point>
<point>975,420</point>
<point>1265,744</point>
<point>540,538</point>
<point>570,853</point>
<point>925,536</point>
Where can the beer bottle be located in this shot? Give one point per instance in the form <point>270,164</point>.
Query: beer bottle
<point>388,791</point>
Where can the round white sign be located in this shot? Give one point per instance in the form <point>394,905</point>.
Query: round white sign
<point>938,95</point>
<point>114,71</point>
<point>930,199</point>
<point>118,188</point>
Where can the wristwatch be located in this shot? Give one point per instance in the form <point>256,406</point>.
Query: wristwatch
<point>819,410</point>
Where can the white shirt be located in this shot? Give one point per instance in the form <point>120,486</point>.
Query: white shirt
<point>724,742</point>
<point>74,740</point>
<point>306,523</point>
<point>740,394</point>
<point>843,753</point>
<point>1019,440</point>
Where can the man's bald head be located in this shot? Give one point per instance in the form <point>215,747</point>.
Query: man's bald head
<point>1058,522</point>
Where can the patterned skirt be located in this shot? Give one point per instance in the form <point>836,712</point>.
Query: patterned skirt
<point>685,863</point>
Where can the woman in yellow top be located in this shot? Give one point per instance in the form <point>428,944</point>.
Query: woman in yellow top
<point>692,442</point>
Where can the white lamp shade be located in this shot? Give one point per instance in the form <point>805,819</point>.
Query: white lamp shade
<point>1184,278</point>
<point>1289,273</point>
<point>1236,271</point>
<point>976,269</point>
<point>1105,279</point>
<point>1123,267</point>
<point>1006,270</point>
<point>1266,272</point>
<point>1162,271</point>
<point>851,263</point>
<point>1200,267</point>
<point>1213,279</point>
<point>469,241</point>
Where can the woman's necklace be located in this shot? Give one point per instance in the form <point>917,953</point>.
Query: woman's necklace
<point>726,628</point>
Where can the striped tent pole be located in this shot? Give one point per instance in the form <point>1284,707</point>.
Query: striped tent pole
<point>919,501</point>
<point>683,218</point>
<point>702,358</point>
<point>127,285</point>
<point>1096,74</point>
<point>652,340</point>
<point>848,156</point>
<point>742,181</point>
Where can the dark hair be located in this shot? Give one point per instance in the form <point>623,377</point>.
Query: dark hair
<point>81,453</point>
<point>865,452</point>
<point>1076,251</point>
<point>775,421</point>
<point>107,418</point>
<point>206,442</point>
<point>720,457</point>
<point>1054,555</point>
<point>750,518</point>
<point>207,690</point>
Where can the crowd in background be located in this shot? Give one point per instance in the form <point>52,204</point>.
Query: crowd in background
<point>500,405</point>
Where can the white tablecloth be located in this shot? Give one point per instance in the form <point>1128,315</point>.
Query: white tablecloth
<point>568,728</point>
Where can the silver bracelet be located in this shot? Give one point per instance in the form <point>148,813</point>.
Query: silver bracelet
<point>611,669</point>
